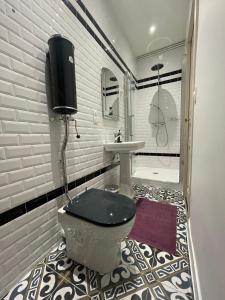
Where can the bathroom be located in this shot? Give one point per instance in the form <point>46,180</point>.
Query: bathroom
<point>143,130</point>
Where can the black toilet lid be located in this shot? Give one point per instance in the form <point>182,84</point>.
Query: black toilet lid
<point>102,208</point>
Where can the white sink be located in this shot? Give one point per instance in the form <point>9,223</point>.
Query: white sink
<point>124,146</point>
<point>124,150</point>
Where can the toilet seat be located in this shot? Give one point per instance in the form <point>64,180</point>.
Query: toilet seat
<point>102,208</point>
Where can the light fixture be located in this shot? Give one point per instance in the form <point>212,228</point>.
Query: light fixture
<point>152,29</point>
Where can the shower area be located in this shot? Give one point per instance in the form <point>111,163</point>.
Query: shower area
<point>154,117</point>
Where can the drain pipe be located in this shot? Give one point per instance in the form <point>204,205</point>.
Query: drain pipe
<point>66,120</point>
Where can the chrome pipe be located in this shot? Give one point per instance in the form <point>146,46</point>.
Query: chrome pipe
<point>65,119</point>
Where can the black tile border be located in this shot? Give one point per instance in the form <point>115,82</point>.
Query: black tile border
<point>26,207</point>
<point>93,21</point>
<point>161,83</point>
<point>90,30</point>
<point>110,94</point>
<point>161,76</point>
<point>111,46</point>
<point>156,154</point>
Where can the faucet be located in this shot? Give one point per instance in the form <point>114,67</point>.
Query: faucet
<point>117,137</point>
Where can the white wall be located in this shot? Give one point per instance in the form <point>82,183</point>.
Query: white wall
<point>208,165</point>
<point>109,25</point>
<point>29,143</point>
<point>170,102</point>
<point>171,59</point>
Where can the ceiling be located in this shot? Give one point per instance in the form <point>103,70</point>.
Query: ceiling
<point>135,17</point>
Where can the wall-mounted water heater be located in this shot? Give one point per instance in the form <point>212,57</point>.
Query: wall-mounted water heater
<point>62,75</point>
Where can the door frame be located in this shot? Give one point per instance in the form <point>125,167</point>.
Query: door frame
<point>188,96</point>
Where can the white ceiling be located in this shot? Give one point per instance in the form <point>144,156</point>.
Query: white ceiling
<point>136,16</point>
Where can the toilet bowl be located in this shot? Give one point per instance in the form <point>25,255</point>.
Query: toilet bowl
<point>95,223</point>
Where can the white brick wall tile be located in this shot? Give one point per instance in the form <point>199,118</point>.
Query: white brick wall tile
<point>2,6</point>
<point>18,18</point>
<point>8,49</point>
<point>36,181</point>
<point>7,114</point>
<point>13,237</point>
<point>6,88</point>
<point>15,127</point>
<point>10,190</point>
<point>33,62</point>
<point>21,174</point>
<point>18,151</point>
<point>5,204</point>
<point>30,139</point>
<point>23,47</point>
<point>36,107</point>
<point>23,197</point>
<point>9,264</point>
<point>4,180</point>
<point>29,116</point>
<point>14,3</point>
<point>19,43</point>
<point>12,102</point>
<point>39,128</point>
<point>36,85</point>
<point>41,149</point>
<point>10,24</point>
<point>44,188</point>
<point>43,169</point>
<point>2,153</point>
<point>25,93</point>
<point>23,68</point>
<point>32,161</point>
<point>5,61</point>
<point>3,33</point>
<point>10,164</point>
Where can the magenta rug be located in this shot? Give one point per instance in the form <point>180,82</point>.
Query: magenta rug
<point>155,225</point>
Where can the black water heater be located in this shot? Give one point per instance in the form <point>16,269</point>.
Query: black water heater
<point>62,75</point>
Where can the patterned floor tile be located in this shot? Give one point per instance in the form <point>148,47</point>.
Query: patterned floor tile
<point>125,288</point>
<point>181,282</point>
<point>144,272</point>
<point>127,268</point>
<point>67,291</point>
<point>143,294</point>
<point>156,257</point>
<point>160,293</point>
<point>38,284</point>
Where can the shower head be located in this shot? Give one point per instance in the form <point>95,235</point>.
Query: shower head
<point>157,67</point>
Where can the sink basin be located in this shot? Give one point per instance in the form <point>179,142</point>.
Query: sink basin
<point>124,150</point>
<point>124,146</point>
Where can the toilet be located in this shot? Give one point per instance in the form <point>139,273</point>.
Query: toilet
<point>95,223</point>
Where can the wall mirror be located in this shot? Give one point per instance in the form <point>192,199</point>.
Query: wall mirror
<point>110,95</point>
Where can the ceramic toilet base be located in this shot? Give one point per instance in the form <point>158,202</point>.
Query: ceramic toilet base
<point>96,247</point>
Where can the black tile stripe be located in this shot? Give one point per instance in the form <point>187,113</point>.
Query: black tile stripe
<point>110,94</point>
<point>161,76</point>
<point>89,29</point>
<point>157,154</point>
<point>111,46</point>
<point>161,83</point>
<point>24,208</point>
<point>93,21</point>
<point>111,87</point>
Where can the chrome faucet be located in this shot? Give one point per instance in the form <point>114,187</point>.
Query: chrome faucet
<point>117,137</point>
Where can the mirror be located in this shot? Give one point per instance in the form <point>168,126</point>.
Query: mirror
<point>110,95</point>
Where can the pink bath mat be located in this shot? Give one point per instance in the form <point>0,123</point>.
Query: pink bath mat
<point>155,225</point>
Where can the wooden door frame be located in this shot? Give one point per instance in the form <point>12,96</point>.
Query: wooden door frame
<point>187,101</point>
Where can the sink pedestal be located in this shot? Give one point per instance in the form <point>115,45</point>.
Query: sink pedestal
<point>124,149</point>
<point>125,175</point>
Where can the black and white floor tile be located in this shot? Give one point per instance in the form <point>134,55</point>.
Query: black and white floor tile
<point>144,273</point>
